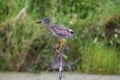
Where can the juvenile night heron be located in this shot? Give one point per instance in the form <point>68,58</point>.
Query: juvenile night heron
<point>57,30</point>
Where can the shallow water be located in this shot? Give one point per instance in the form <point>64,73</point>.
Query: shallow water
<point>54,76</point>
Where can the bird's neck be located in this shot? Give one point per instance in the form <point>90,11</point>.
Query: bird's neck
<point>47,26</point>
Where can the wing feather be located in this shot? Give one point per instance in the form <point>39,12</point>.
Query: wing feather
<point>62,31</point>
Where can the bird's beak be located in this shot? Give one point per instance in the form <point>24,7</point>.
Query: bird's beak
<point>39,22</point>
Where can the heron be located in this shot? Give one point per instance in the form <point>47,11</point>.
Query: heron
<point>59,31</point>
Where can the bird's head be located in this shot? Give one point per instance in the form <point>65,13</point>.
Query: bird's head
<point>45,20</point>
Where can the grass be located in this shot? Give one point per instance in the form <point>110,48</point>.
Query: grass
<point>100,59</point>
<point>25,46</point>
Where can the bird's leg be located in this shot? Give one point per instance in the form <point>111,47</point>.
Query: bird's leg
<point>58,47</point>
<point>61,44</point>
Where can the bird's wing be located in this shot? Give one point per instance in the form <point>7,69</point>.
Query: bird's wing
<point>61,31</point>
<point>59,27</point>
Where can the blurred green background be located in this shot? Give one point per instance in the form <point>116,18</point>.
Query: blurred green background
<point>26,46</point>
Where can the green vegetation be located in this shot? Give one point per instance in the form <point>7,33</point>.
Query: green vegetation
<point>26,47</point>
